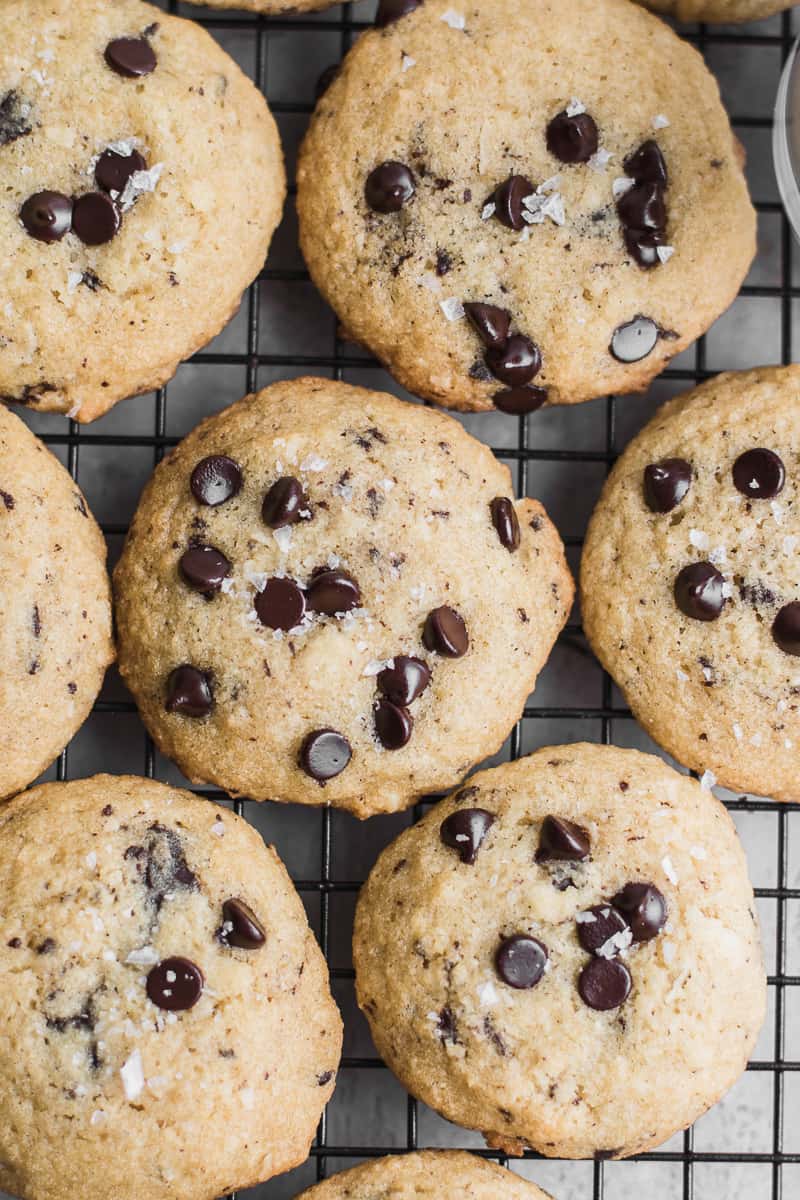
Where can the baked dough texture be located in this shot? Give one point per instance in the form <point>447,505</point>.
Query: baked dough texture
<point>426,1175</point>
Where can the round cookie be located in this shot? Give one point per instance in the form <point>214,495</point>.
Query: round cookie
<point>55,607</point>
<point>719,10</point>
<point>142,180</point>
<point>174,1033</point>
<point>690,593</point>
<point>328,596</point>
<point>545,234</point>
<point>426,1175</point>
<point>565,954</point>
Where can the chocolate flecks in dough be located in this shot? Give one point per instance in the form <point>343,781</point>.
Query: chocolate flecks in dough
<point>666,484</point>
<point>324,754</point>
<point>389,187</point>
<point>33,668</point>
<point>466,793</point>
<point>465,831</point>
<point>9,502</point>
<point>15,943</point>
<point>445,633</point>
<point>393,724</point>
<point>175,984</point>
<point>325,1077</point>
<point>494,1037</point>
<point>215,479</point>
<point>390,11</point>
<point>446,1027</point>
<point>572,139</point>
<point>91,281</point>
<point>72,688</point>
<point>108,810</point>
<point>81,506</point>
<point>759,474</point>
<point>240,926</point>
<point>189,692</point>
<point>480,371</point>
<point>131,58</point>
<point>700,591</point>
<point>756,594</point>
<point>365,438</point>
<point>507,199</point>
<point>46,947</point>
<point>15,117</point>
<point>504,519</point>
<point>444,262</point>
<point>160,864</point>
<point>604,984</point>
<point>375,501</point>
<point>562,841</point>
<point>520,961</point>
<point>36,621</point>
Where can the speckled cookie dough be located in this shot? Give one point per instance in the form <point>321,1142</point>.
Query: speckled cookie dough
<point>329,596</point>
<point>719,10</point>
<point>55,607</point>
<point>536,233</point>
<point>690,590</point>
<point>427,1175</point>
<point>142,179</point>
<point>169,1033</point>
<point>565,954</point>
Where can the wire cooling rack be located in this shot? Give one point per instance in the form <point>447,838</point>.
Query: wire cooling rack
<point>749,1145</point>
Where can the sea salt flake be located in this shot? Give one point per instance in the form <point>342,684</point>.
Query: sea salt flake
<point>727,589</point>
<point>585,918</point>
<point>668,951</point>
<point>550,185</point>
<point>621,185</point>
<point>756,739</point>
<point>139,183</point>
<point>408,62</point>
<point>430,282</point>
<point>553,208</point>
<point>600,160</point>
<point>248,1097</point>
<point>98,1117</point>
<point>699,540</point>
<point>737,731</point>
<point>575,107</point>
<point>313,462</point>
<point>777,511</point>
<point>283,536</point>
<point>660,121</point>
<point>669,870</point>
<point>132,1075</point>
<point>454,19</point>
<point>218,828</point>
<point>718,554</point>
<point>707,780</point>
<point>452,308</point>
<point>74,281</point>
<point>665,253</point>
<point>682,676</point>
<point>788,743</point>
<point>614,945</point>
<point>386,485</point>
<point>488,210</point>
<point>91,860</point>
<point>487,993</point>
<point>376,665</point>
<point>698,852</point>
<point>789,544</point>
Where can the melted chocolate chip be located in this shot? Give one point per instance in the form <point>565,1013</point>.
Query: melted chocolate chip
<point>113,170</point>
<point>786,628</point>
<point>647,164</point>
<point>520,400</point>
<point>332,592</point>
<point>390,11</point>
<point>465,830</point>
<point>634,340</point>
<point>162,865</point>
<point>604,983</point>
<point>492,323</point>
<point>393,724</point>
<point>281,604</point>
<point>189,692</point>
<point>204,568</point>
<point>403,682</point>
<point>175,984</point>
<point>445,633</point>
<point>562,841</point>
<point>284,502</point>
<point>131,57</point>
<point>759,474</point>
<point>215,479</point>
<point>642,207</point>
<point>521,961</point>
<point>388,187</point>
<point>324,754</point>
<point>504,519</point>
<point>240,926</point>
<point>606,922</point>
<point>572,139</point>
<point>699,591</point>
<point>47,216</point>
<point>666,483</point>
<point>508,199</point>
<point>644,908</point>
<point>95,218</point>
<point>15,118</point>
<point>516,361</point>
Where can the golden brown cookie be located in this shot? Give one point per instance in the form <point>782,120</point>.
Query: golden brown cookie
<point>719,10</point>
<point>426,1175</point>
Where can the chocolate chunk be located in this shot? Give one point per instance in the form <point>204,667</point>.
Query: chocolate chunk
<point>644,908</point>
<point>572,139</point>
<point>215,479</point>
<point>562,841</point>
<point>634,340</point>
<point>699,591</point>
<point>759,474</point>
<point>388,187</point>
<point>666,483</point>
<point>508,199</point>
<point>786,628</point>
<point>445,632</point>
<point>516,362</point>
<point>521,961</point>
<point>520,400</point>
<point>647,165</point>
<point>642,207</point>
<point>403,682</point>
<point>465,830</point>
<point>284,502</point>
<point>15,118</point>
<point>325,80</point>
<point>46,947</point>
<point>332,592</point>
<point>324,754</point>
<point>504,519</point>
<point>643,246</point>
<point>604,983</point>
<point>95,218</point>
<point>47,216</point>
<point>393,724</point>
<point>240,926</point>
<point>162,865</point>
<point>204,568</point>
<point>281,604</point>
<point>492,323</point>
<point>189,692</point>
<point>597,925</point>
<point>131,57</point>
<point>390,11</point>
<point>175,984</point>
<point>113,170</point>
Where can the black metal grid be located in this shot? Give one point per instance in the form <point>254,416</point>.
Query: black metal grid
<point>784,1151</point>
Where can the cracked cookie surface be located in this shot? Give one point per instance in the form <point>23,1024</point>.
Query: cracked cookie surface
<point>426,1175</point>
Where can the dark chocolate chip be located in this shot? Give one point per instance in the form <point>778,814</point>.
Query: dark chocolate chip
<point>281,604</point>
<point>95,218</point>
<point>634,340</point>
<point>325,1077</point>
<point>175,984</point>
<point>786,628</point>
<point>240,926</point>
<point>15,118</point>
<point>596,925</point>
<point>572,139</point>
<point>284,502</point>
<point>113,170</point>
<point>204,568</point>
<point>604,983</point>
<point>332,592</point>
<point>643,246</point>
<point>647,165</point>
<point>390,11</point>
<point>46,947</point>
<point>445,632</point>
<point>492,323</point>
<point>699,591</point>
<point>131,57</point>
<point>47,216</point>
<point>388,187</point>
<point>666,483</point>
<point>189,692</point>
<point>520,400</point>
<point>325,80</point>
<point>464,831</point>
<point>403,682</point>
<point>520,961</point>
<point>504,519</point>
<point>215,479</point>
<point>516,361</point>
<point>642,207</point>
<point>324,754</point>
<point>644,908</point>
<point>562,841</point>
<point>508,199</point>
<point>759,474</point>
<point>393,724</point>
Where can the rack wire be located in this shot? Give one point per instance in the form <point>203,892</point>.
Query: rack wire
<point>767,1170</point>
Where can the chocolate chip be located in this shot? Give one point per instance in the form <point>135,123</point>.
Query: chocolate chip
<point>324,754</point>
<point>699,591</point>
<point>215,479</point>
<point>113,170</point>
<point>644,908</point>
<point>15,118</point>
<point>604,983</point>
<point>464,831</point>
<point>445,632</point>
<point>643,246</point>
<point>281,604</point>
<point>634,340</point>
<point>516,362</point>
<point>204,568</point>
<point>508,199</point>
<point>562,841</point>
<point>520,401</point>
<point>47,216</point>
<point>390,11</point>
<point>323,1078</point>
<point>131,57</point>
<point>241,927</point>
<point>162,864</point>
<point>666,483</point>
<point>504,519</point>
<point>175,984</point>
<point>189,692</point>
<point>521,961</point>
<point>597,925</point>
<point>326,79</point>
<point>786,628</point>
<point>403,682</point>
<point>284,502</point>
<point>759,474</point>
<point>572,139</point>
<point>492,323</point>
<point>95,218</point>
<point>332,592</point>
<point>647,165</point>
<point>393,724</point>
<point>46,947</point>
<point>642,207</point>
<point>388,187</point>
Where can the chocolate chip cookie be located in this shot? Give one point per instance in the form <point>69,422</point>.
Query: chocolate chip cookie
<point>719,10</point>
<point>512,237</point>
<point>55,607</point>
<point>174,1034</point>
<point>427,1175</point>
<point>689,578</point>
<point>565,954</point>
<point>142,180</point>
<point>317,594</point>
